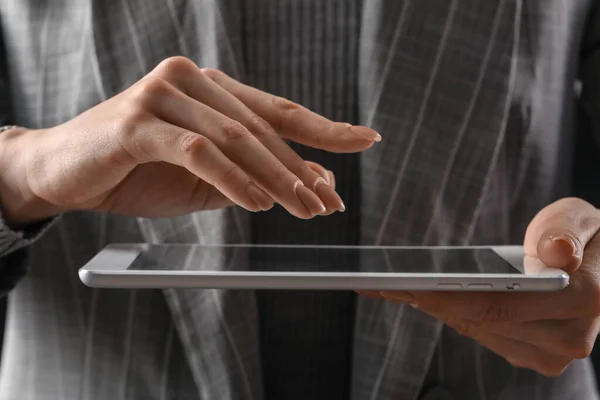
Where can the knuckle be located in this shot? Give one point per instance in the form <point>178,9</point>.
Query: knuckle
<point>234,132</point>
<point>193,145</point>
<point>213,73</point>
<point>282,107</point>
<point>176,66</point>
<point>284,104</point>
<point>259,127</point>
<point>149,89</point>
<point>135,116</point>
<point>283,178</point>
<point>230,175</point>
<point>127,130</point>
<point>130,123</point>
<point>282,174</point>
<point>320,135</point>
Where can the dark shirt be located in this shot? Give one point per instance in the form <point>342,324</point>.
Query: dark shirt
<point>306,336</point>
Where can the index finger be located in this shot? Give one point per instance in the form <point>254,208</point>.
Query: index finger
<point>297,123</point>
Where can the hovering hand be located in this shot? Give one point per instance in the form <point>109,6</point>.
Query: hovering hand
<point>181,139</point>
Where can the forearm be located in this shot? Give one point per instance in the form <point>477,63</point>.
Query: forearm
<point>23,217</point>
<point>20,206</point>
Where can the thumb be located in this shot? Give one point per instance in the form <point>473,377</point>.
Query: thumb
<point>559,233</point>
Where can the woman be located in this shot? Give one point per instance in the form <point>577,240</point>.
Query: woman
<point>473,100</point>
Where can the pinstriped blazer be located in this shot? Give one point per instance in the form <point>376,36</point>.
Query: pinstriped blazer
<point>474,99</point>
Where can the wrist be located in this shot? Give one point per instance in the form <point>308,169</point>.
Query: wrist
<point>20,206</point>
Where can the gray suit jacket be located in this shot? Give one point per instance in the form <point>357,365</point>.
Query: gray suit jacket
<point>474,100</point>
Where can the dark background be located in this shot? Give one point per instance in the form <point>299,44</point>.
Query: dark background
<point>587,180</point>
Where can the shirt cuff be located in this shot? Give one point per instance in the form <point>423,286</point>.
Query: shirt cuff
<point>14,255</point>
<point>12,240</point>
<point>13,268</point>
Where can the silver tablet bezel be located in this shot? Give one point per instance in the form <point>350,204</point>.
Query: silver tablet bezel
<point>108,269</point>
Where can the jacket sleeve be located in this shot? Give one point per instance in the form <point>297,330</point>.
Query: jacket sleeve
<point>13,244</point>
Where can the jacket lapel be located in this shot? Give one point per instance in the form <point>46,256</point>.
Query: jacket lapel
<point>218,328</point>
<point>442,132</point>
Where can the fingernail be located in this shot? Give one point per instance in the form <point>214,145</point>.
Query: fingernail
<point>365,133</point>
<point>567,243</point>
<point>403,297</point>
<point>310,200</point>
<point>330,178</point>
<point>262,200</point>
<point>329,195</point>
<point>561,250</point>
<point>320,181</point>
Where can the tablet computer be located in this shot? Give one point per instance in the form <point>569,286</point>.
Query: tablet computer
<point>500,268</point>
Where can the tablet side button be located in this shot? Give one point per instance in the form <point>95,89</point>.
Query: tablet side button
<point>480,286</point>
<point>449,286</point>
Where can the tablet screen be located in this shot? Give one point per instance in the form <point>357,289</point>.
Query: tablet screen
<point>321,259</point>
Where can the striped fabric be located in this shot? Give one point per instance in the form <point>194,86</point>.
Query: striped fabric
<point>306,336</point>
<point>473,99</point>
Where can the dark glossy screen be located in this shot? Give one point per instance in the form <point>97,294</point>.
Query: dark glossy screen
<point>321,259</point>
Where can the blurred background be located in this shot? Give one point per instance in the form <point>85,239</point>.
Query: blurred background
<point>586,181</point>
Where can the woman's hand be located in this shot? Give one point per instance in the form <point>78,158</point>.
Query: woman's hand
<point>181,139</point>
<point>544,332</point>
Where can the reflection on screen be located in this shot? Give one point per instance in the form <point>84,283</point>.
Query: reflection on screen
<point>323,259</point>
